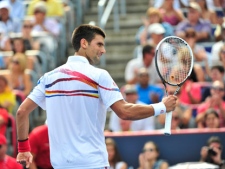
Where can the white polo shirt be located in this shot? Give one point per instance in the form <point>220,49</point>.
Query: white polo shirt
<point>76,96</point>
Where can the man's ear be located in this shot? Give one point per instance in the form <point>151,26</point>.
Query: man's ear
<point>83,43</point>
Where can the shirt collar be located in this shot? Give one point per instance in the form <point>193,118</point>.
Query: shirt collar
<point>77,59</point>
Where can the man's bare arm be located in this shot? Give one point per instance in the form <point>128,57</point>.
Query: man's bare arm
<point>22,118</point>
<point>129,111</point>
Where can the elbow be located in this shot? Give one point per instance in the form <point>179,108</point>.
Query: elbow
<point>125,115</point>
<point>20,112</point>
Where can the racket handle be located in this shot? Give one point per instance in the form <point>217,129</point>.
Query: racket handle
<point>168,121</point>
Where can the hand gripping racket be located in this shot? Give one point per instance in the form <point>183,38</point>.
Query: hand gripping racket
<point>174,63</point>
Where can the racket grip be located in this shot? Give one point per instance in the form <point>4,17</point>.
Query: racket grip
<point>168,121</point>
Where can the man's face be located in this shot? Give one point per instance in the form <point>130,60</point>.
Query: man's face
<point>193,15</point>
<point>4,13</point>
<point>148,58</point>
<point>95,49</point>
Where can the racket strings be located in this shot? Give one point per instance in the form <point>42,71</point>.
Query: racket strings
<point>174,60</point>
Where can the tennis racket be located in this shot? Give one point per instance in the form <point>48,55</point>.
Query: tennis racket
<point>174,63</point>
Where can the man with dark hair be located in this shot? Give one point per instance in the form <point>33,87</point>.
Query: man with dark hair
<point>212,152</point>
<point>216,73</point>
<point>76,96</point>
<point>147,61</point>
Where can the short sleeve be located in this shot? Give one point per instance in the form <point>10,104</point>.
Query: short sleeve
<point>108,90</point>
<point>38,94</point>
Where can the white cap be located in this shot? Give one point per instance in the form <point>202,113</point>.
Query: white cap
<point>156,28</point>
<point>195,5</point>
<point>5,4</point>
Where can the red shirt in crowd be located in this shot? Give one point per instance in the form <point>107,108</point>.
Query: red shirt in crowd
<point>10,163</point>
<point>39,143</point>
<point>4,115</point>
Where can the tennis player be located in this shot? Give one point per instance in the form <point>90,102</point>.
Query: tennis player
<point>75,97</point>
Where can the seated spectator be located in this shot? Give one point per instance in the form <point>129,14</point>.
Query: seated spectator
<point>153,16</point>
<point>7,96</point>
<point>170,14</point>
<point>29,42</point>
<point>216,47</point>
<point>216,73</point>
<point>211,153</point>
<point>156,31</point>
<point>4,115</point>
<point>116,124</point>
<point>18,46</point>
<point>149,158</point>
<point>211,119</point>
<point>148,93</point>
<point>201,26</point>
<point>39,143</point>
<point>215,101</point>
<point>54,7</point>
<point>17,9</point>
<point>42,23</point>
<point>206,13</point>
<point>6,22</point>
<point>114,158</point>
<point>199,52</point>
<point>17,77</point>
<point>147,61</point>
<point>6,161</point>
<point>190,92</point>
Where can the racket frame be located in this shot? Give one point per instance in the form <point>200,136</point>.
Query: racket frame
<point>168,120</point>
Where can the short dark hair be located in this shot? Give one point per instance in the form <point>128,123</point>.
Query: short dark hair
<point>86,32</point>
<point>220,68</point>
<point>214,139</point>
<point>147,49</point>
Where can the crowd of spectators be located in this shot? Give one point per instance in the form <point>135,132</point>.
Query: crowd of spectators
<point>201,98</point>
<point>33,40</point>
<point>31,34</point>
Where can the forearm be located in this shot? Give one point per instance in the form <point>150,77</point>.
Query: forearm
<point>22,118</point>
<point>129,111</point>
<point>22,124</point>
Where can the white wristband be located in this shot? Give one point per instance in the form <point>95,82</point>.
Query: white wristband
<point>159,108</point>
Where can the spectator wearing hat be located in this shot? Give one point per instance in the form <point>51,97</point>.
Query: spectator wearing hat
<point>6,161</point>
<point>9,24</point>
<point>201,26</point>
<point>54,7</point>
<point>43,24</point>
<point>156,32</point>
<point>116,124</point>
<point>153,15</point>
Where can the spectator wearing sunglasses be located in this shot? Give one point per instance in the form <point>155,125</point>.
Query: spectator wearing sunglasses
<point>212,152</point>
<point>149,158</point>
<point>215,101</point>
<point>6,161</point>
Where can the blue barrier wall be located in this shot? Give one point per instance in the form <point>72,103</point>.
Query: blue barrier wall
<point>181,146</point>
